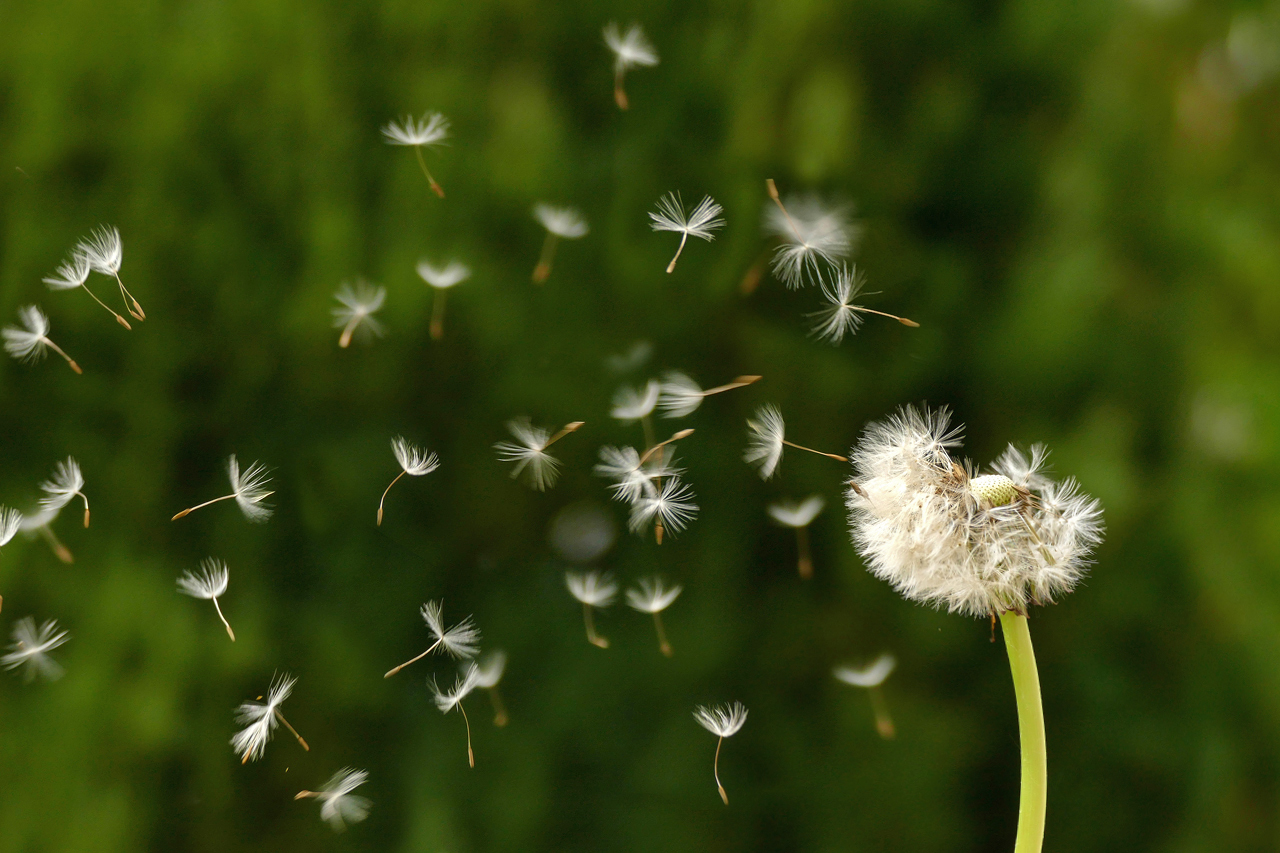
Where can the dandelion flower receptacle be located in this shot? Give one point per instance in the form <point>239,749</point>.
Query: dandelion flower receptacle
<point>722,721</point>
<point>985,546</point>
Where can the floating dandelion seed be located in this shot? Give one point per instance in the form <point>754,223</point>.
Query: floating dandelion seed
<point>338,806</point>
<point>414,461</point>
<point>41,524</point>
<point>74,273</point>
<point>592,589</point>
<point>31,647</point>
<point>355,313</point>
<point>66,484</point>
<point>701,223</point>
<point>105,253</point>
<point>259,719</point>
<point>447,701</point>
<point>722,721</point>
<point>488,673</point>
<point>653,597</point>
<point>799,516</point>
<point>209,584</point>
<point>460,641</point>
<point>871,677</point>
<point>841,316</point>
<point>630,50</point>
<point>10,523</point>
<point>633,358</point>
<point>767,434</point>
<point>29,344</point>
<point>986,546</point>
<point>430,132</point>
<point>670,508</point>
<point>812,233</point>
<point>561,223</point>
<point>529,452</point>
<point>441,279</point>
<point>679,395</point>
<point>635,474</point>
<point>247,489</point>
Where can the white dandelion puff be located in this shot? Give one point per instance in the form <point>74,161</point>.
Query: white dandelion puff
<point>592,590</point>
<point>841,316</point>
<point>260,718</point>
<point>630,50</point>
<point>31,646</point>
<point>722,721</point>
<point>210,583</point>
<point>446,701</point>
<point>414,461</point>
<point>441,279</point>
<point>354,314</point>
<point>428,132</point>
<point>529,452</point>
<point>247,488</point>
<point>29,343</point>
<point>104,252</point>
<point>669,508</point>
<point>766,433</point>
<point>66,484</point>
<point>701,223</point>
<point>653,597</point>
<point>338,806</point>
<point>74,273</point>
<point>489,671</point>
<point>871,677</point>
<point>799,516</point>
<point>460,641</point>
<point>812,233</point>
<point>680,396</point>
<point>562,223</point>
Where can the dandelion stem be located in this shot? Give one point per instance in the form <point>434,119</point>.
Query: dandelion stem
<point>304,794</point>
<point>437,314</point>
<point>281,718</point>
<point>225,624</point>
<point>543,269</point>
<point>1035,775</point>
<point>619,93</point>
<point>392,672</point>
<point>739,382</point>
<point>59,351</point>
<point>773,194</point>
<point>384,495</point>
<point>684,235</point>
<point>592,638</point>
<point>471,756</point>
<point>134,309</point>
<point>499,710</point>
<point>85,498</point>
<point>568,428</point>
<point>802,546</point>
<point>903,320</point>
<point>417,149</point>
<point>122,321</point>
<point>682,434</point>
<point>190,510</point>
<point>884,723</point>
<point>716,768</point>
<point>663,645</point>
<point>835,456</point>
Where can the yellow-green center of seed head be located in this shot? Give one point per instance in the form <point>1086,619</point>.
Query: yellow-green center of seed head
<point>994,489</point>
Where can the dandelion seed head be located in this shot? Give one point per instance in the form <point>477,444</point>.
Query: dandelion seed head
<point>31,647</point>
<point>796,514</point>
<point>672,506</point>
<point>871,675</point>
<point>630,404</point>
<point>766,431</point>
<point>529,453</point>
<point>702,222</point>
<point>103,250</point>
<point>564,222</point>
<point>66,483</point>
<point>918,521</point>
<point>429,131</point>
<point>416,461</point>
<point>250,489</point>
<point>652,596</point>
<point>209,583</point>
<point>721,720</point>
<point>444,276</point>
<point>594,589</point>
<point>630,49</point>
<point>357,306</point>
<point>28,343</point>
<point>72,272</point>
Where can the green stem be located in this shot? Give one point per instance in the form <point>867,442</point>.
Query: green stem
<point>1035,773</point>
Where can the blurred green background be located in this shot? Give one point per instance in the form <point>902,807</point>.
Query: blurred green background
<point>1077,201</point>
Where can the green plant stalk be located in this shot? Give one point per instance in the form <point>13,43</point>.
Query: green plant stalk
<point>1035,768</point>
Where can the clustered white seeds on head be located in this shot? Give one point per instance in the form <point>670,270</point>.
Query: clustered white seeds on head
<point>922,528</point>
